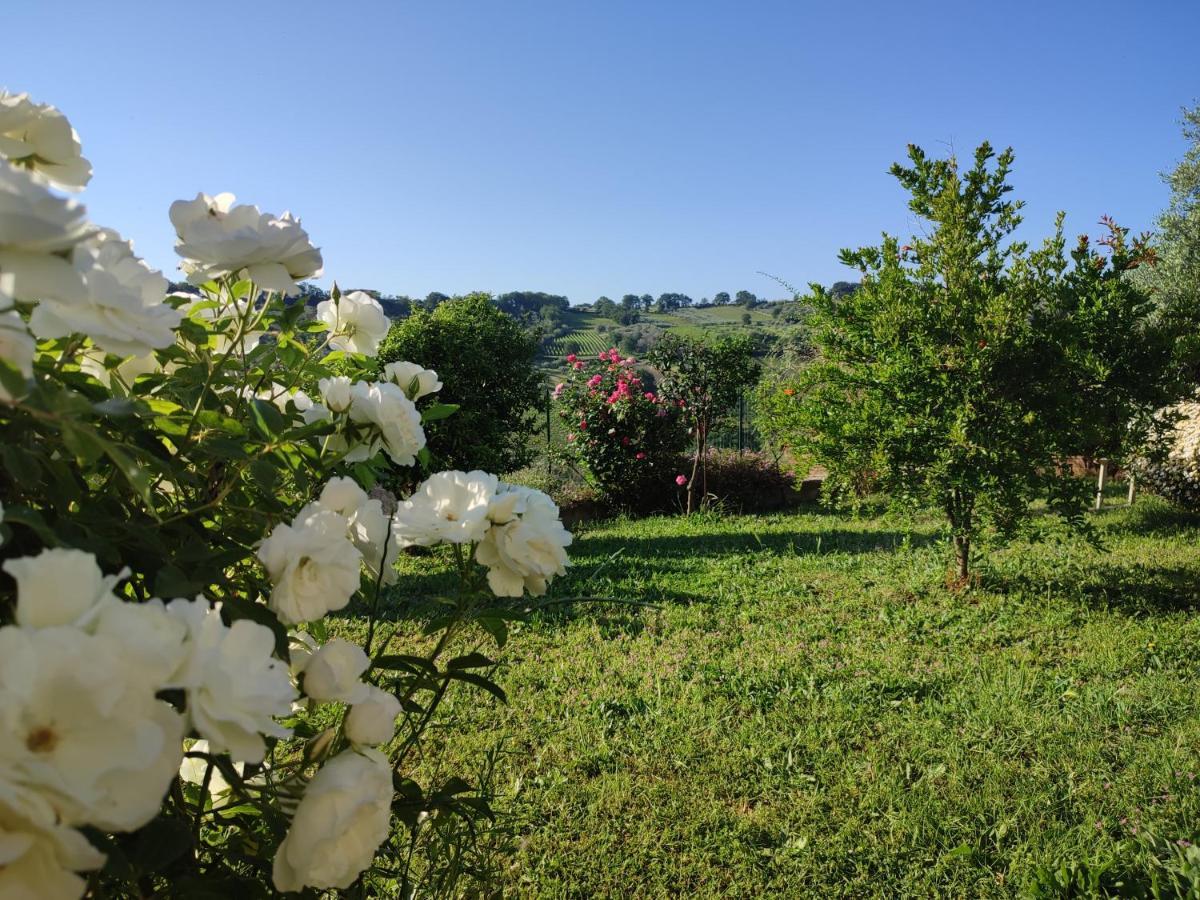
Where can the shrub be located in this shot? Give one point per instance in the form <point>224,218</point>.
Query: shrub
<point>222,742</point>
<point>486,362</point>
<point>625,436</point>
<point>1175,480</point>
<point>749,482</point>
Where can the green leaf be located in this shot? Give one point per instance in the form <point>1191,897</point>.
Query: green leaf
<point>439,411</point>
<point>266,418</point>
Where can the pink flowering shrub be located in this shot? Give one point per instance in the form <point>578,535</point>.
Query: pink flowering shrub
<point>626,437</point>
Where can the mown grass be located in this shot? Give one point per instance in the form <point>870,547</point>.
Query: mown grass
<point>802,708</point>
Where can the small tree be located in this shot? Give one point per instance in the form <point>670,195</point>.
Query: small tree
<point>704,379</point>
<point>485,360</point>
<point>940,377</point>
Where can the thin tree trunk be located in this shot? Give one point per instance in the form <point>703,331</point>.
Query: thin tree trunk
<point>691,485</point>
<point>962,555</point>
<point>1100,482</point>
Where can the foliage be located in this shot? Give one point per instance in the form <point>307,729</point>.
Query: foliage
<point>965,368</point>
<point>1174,282</point>
<point>485,359</point>
<point>1173,479</point>
<point>704,379</point>
<point>749,482</point>
<point>196,747</point>
<point>626,436</point>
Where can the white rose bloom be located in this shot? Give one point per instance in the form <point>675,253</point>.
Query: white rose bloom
<point>335,672</point>
<point>123,312</point>
<point>17,348</point>
<point>415,381</point>
<point>37,228</point>
<point>335,393</point>
<point>527,550</point>
<point>39,859</point>
<point>394,419</point>
<point>216,238</point>
<point>233,683</point>
<point>356,321</point>
<point>313,566</point>
<point>339,825</point>
<point>60,586</point>
<point>367,526</point>
<point>80,728</point>
<point>153,641</point>
<point>448,506</point>
<point>373,720</point>
<point>39,138</point>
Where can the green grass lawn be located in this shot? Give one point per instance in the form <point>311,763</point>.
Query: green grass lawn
<point>803,709</point>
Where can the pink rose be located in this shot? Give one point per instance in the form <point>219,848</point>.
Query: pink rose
<point>571,357</point>
<point>681,480</point>
<point>640,456</point>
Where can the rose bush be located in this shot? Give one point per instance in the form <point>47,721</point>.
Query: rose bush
<point>185,479</point>
<point>627,438</point>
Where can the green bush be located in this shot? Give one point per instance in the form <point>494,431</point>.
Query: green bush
<point>485,360</point>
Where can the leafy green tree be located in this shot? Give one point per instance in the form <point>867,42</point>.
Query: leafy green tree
<point>745,298</point>
<point>647,302</point>
<point>704,378</point>
<point>485,359</point>
<point>721,299</point>
<point>942,377</point>
<point>1174,281</point>
<point>605,307</point>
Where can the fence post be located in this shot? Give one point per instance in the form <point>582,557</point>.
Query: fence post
<point>1100,482</point>
<point>549,460</point>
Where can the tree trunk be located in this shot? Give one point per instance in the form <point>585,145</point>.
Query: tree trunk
<point>1100,482</point>
<point>691,485</point>
<point>962,555</point>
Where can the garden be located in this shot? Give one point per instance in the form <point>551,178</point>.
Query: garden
<point>294,602</point>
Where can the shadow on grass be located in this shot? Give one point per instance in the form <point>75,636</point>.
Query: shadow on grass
<point>713,544</point>
<point>1135,589</point>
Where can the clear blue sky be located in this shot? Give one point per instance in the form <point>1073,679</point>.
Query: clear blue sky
<point>604,147</point>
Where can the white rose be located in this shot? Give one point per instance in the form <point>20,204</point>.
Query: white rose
<point>60,586</point>
<point>153,641</point>
<point>234,685</point>
<point>301,648</point>
<point>335,393</point>
<point>415,381</point>
<point>448,506</point>
<point>123,312</point>
<point>367,526</point>
<point>394,418</point>
<point>357,322</point>
<point>36,229</point>
<point>39,138</point>
<point>335,672</point>
<point>339,825</point>
<point>216,238</point>
<point>313,566</point>
<point>528,550</point>
<point>82,730</point>
<point>16,348</point>
<point>38,859</point>
<point>373,720</point>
